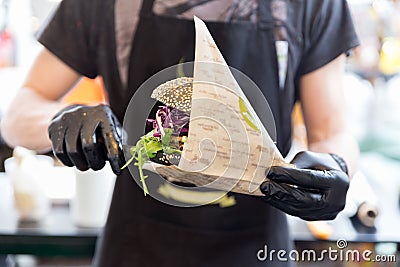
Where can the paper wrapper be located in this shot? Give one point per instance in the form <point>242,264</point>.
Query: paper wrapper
<point>227,148</point>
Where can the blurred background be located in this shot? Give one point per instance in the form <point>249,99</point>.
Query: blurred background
<point>56,235</point>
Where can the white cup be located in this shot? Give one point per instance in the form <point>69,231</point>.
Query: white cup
<point>30,200</point>
<point>93,192</point>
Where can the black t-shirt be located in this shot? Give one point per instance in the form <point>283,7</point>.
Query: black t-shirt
<point>321,30</point>
<point>89,37</point>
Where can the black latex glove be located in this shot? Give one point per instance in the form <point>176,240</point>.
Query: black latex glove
<point>315,190</point>
<point>87,136</point>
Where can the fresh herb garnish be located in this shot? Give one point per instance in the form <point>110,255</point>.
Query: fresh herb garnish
<point>168,121</point>
<point>167,147</point>
<point>146,148</point>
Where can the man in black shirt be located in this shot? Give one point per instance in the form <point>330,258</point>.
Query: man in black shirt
<point>126,42</point>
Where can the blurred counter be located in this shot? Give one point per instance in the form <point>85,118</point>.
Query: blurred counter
<point>57,235</point>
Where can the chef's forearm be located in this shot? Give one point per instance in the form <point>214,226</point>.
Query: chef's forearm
<point>342,144</point>
<point>26,120</point>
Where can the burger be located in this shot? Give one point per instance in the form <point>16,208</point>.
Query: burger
<point>167,130</point>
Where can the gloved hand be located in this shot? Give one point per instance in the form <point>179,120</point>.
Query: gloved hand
<point>315,190</point>
<point>87,136</point>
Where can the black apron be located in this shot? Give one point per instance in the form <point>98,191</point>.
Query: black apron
<point>142,231</point>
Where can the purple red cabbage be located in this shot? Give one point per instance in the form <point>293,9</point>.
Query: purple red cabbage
<point>167,117</point>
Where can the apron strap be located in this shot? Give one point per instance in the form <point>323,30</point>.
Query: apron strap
<point>183,7</point>
<point>147,7</point>
<point>265,19</point>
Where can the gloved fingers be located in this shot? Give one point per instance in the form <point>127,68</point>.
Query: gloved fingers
<point>320,216</point>
<point>314,160</point>
<point>308,215</point>
<point>288,209</point>
<point>57,138</point>
<point>298,202</point>
<point>92,150</point>
<point>113,148</point>
<point>312,179</point>
<point>117,125</point>
<point>73,146</point>
<point>292,197</point>
<point>118,136</point>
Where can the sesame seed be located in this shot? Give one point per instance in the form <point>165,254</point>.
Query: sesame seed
<point>176,93</point>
